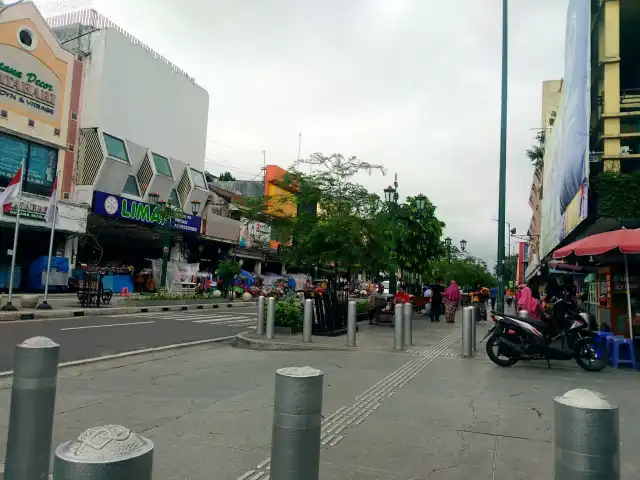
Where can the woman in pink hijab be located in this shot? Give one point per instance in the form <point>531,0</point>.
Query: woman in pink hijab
<point>530,304</point>
<point>451,300</point>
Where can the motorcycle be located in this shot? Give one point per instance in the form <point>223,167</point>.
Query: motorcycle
<point>517,338</point>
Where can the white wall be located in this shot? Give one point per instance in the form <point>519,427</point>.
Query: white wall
<point>130,94</point>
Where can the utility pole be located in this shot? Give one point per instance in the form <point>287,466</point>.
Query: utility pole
<point>299,144</point>
<point>503,156</point>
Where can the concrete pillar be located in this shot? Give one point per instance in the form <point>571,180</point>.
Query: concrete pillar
<point>586,437</point>
<point>297,418</point>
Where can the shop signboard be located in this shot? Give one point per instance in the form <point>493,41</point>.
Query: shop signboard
<point>254,234</point>
<point>566,159</point>
<point>114,206</point>
<point>29,210</point>
<point>29,86</point>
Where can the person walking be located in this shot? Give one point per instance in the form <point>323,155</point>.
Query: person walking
<point>451,300</point>
<point>493,294</point>
<point>436,300</point>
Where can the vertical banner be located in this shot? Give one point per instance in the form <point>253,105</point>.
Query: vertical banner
<point>566,160</point>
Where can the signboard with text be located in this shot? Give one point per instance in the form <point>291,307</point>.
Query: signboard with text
<point>114,206</point>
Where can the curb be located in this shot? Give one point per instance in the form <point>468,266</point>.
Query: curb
<point>242,341</point>
<point>115,356</point>
<point>82,312</point>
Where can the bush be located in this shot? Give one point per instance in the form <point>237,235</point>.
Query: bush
<point>362,306</point>
<point>288,313</point>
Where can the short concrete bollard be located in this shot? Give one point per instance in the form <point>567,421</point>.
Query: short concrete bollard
<point>468,324</point>
<point>586,437</point>
<point>260,324</point>
<point>407,324</point>
<point>398,330</point>
<point>351,324</point>
<point>109,452</point>
<point>33,398</point>
<point>307,325</point>
<point>271,317</point>
<point>297,419</point>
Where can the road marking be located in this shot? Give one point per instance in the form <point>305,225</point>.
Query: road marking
<point>104,326</point>
<point>223,320</point>
<point>84,361</point>
<point>204,317</point>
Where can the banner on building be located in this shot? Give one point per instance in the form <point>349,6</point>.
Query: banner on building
<point>566,161</point>
<point>254,234</point>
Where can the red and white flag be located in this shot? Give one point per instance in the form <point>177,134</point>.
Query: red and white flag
<point>52,208</point>
<point>10,193</point>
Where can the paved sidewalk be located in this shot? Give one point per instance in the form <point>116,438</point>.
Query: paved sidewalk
<point>423,414</point>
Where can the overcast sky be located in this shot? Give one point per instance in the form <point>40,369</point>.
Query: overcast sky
<point>410,84</point>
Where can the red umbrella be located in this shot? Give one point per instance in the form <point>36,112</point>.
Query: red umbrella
<point>624,241</point>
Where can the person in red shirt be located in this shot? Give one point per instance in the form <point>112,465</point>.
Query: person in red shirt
<point>401,296</point>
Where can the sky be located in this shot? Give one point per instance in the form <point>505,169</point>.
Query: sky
<point>413,85</point>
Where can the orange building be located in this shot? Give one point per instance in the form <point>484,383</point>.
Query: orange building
<point>281,195</point>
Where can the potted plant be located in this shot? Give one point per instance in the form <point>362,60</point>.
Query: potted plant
<point>227,271</point>
<point>362,310</point>
<point>288,316</point>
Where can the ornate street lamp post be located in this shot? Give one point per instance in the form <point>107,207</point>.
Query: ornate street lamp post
<point>165,213</point>
<point>447,242</point>
<point>391,197</point>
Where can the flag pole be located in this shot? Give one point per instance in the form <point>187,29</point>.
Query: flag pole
<point>10,306</point>
<point>44,305</point>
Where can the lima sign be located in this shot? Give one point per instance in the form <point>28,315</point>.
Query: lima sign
<point>121,208</point>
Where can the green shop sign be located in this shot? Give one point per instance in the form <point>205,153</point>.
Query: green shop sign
<point>133,210</point>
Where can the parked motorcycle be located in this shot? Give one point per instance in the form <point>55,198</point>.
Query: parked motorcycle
<point>513,338</point>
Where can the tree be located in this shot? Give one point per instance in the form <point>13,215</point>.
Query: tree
<point>226,177</point>
<point>510,268</point>
<point>466,271</point>
<point>536,153</point>
<point>417,236</point>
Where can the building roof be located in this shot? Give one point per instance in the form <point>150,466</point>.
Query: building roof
<point>92,18</point>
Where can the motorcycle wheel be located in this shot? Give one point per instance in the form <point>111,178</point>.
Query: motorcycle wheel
<point>494,355</point>
<point>588,357</point>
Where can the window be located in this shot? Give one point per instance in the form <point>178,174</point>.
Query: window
<point>40,164</point>
<point>116,148</point>
<point>198,178</point>
<point>131,186</point>
<point>175,201</point>
<point>162,165</point>
<point>27,39</point>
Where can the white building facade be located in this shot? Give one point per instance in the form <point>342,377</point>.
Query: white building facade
<point>137,136</point>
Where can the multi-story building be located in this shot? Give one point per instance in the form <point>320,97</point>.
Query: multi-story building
<point>38,104</point>
<point>592,158</point>
<point>142,132</point>
<point>551,90</point>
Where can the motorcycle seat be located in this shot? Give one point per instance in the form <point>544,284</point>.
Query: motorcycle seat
<point>543,327</point>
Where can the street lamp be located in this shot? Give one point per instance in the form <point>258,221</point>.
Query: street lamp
<point>391,196</point>
<point>165,213</point>
<point>447,242</point>
<point>463,244</point>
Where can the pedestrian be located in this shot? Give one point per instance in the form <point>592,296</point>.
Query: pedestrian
<point>530,304</point>
<point>378,303</point>
<point>451,301</point>
<point>436,300</point>
<point>493,294</point>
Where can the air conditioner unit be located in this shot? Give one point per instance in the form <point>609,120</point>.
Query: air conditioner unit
<point>625,150</point>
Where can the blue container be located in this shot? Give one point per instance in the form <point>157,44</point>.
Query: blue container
<point>36,278</point>
<point>5,273</point>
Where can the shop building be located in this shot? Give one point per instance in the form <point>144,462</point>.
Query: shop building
<point>135,140</point>
<point>39,102</point>
<point>591,164</point>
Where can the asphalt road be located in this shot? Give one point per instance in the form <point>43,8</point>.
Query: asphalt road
<point>90,337</point>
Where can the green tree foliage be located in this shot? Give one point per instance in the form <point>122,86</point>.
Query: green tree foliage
<point>226,177</point>
<point>536,153</point>
<point>466,271</point>
<point>339,224</point>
